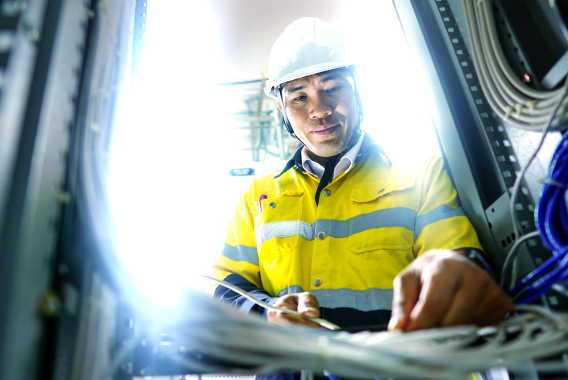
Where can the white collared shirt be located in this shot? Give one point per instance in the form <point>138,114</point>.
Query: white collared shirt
<point>343,166</point>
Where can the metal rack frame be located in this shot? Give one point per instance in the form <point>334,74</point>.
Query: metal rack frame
<point>38,103</point>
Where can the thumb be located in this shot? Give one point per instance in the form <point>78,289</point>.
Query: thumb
<point>308,305</point>
<point>406,290</point>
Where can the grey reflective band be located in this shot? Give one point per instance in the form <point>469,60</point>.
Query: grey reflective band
<point>362,300</point>
<point>393,217</point>
<point>240,253</point>
<point>290,290</point>
<point>285,228</point>
<point>439,213</point>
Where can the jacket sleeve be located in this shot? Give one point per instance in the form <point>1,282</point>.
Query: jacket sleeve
<point>238,262</point>
<point>440,222</point>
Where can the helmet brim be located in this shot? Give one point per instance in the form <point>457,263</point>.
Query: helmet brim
<point>271,89</point>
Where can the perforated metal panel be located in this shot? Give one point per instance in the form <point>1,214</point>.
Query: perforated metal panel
<point>139,41</point>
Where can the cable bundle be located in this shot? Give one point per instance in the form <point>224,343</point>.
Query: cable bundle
<point>212,337</point>
<point>511,99</point>
<point>552,223</point>
<point>551,213</point>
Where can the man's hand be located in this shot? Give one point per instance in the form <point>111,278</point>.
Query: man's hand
<point>305,303</point>
<point>443,288</point>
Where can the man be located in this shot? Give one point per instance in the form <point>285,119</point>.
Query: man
<point>342,233</point>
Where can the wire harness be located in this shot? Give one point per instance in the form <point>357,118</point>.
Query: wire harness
<point>551,218</point>
<point>220,339</point>
<point>511,99</point>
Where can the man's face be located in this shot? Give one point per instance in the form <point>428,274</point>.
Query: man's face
<point>322,111</point>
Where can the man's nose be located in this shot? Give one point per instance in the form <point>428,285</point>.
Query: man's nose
<point>320,107</point>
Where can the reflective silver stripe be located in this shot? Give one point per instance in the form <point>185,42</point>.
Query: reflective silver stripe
<point>439,213</point>
<point>289,290</point>
<point>363,300</point>
<point>307,231</point>
<point>392,217</point>
<point>285,228</point>
<point>240,253</point>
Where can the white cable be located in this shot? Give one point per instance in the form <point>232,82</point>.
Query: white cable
<point>511,99</point>
<point>223,333</point>
<point>513,253</point>
<point>516,186</point>
<point>217,338</point>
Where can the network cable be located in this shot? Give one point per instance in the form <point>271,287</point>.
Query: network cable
<point>551,218</point>
<point>511,99</point>
<point>218,338</point>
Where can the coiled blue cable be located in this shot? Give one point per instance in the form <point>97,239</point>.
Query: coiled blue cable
<point>551,218</point>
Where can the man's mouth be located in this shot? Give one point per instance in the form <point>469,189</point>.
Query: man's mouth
<point>325,130</point>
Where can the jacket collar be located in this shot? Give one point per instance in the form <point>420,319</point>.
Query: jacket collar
<point>367,145</point>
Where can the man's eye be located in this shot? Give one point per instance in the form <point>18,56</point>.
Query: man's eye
<point>334,88</point>
<point>300,98</point>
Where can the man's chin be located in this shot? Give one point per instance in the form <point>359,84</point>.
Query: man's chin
<point>328,151</point>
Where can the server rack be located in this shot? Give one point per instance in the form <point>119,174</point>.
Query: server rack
<point>484,153</point>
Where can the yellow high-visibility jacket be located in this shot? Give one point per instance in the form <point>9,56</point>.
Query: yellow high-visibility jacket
<point>371,222</point>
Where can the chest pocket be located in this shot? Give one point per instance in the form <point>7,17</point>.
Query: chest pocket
<point>279,226</point>
<point>387,215</point>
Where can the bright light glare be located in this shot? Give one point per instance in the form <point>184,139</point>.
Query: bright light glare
<point>397,114</point>
<point>163,187</point>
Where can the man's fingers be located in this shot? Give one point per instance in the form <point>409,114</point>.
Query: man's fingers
<point>304,303</point>
<point>308,305</point>
<point>454,292</point>
<point>485,306</point>
<point>283,319</point>
<point>406,290</point>
<point>438,291</point>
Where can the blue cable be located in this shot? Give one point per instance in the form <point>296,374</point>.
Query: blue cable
<point>549,205</point>
<point>541,285</point>
<point>535,275</point>
<point>551,219</point>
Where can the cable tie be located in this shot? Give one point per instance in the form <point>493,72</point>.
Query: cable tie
<point>532,105</point>
<point>552,182</point>
<point>508,112</point>
<point>519,107</point>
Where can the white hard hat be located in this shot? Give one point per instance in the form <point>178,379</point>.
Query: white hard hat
<point>307,46</point>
